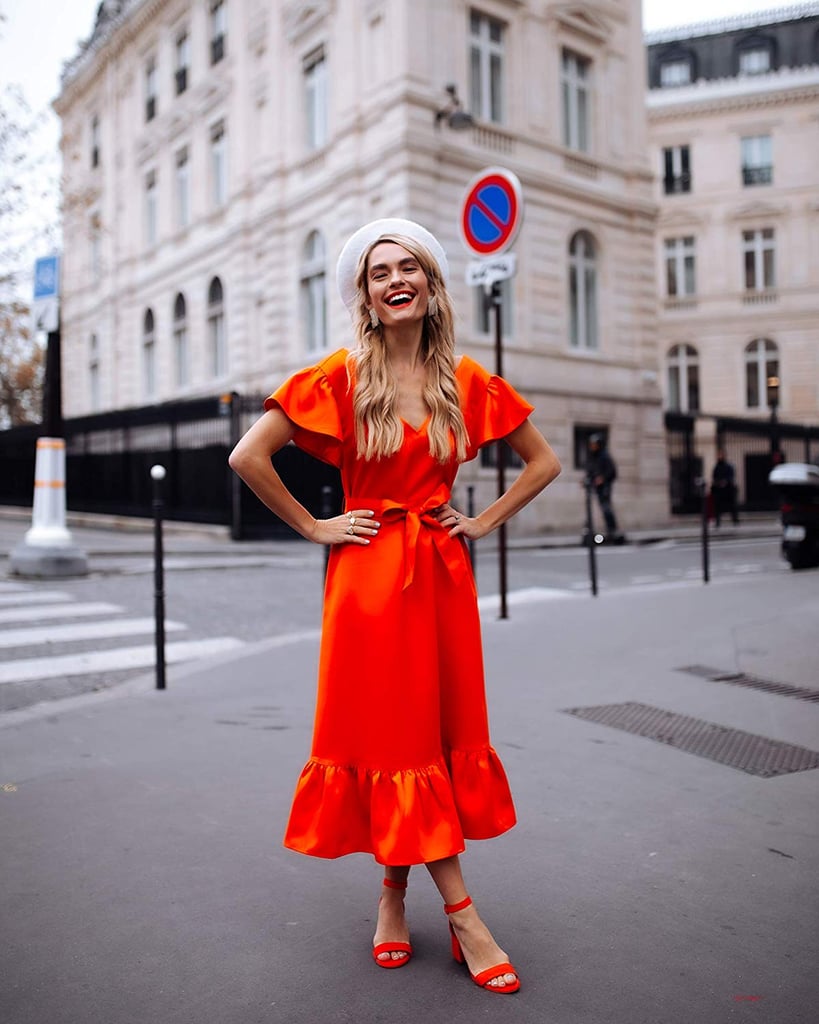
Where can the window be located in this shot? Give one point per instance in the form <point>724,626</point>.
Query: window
<point>683,366</point>
<point>575,73</point>
<point>582,292</point>
<point>761,372</point>
<point>580,447</point>
<point>679,267</point>
<point>150,209</point>
<point>489,456</point>
<point>484,306</point>
<point>95,141</point>
<point>314,293</point>
<point>315,98</point>
<point>150,89</point>
<point>675,72</point>
<point>676,170</point>
<point>218,30</point>
<point>758,251</point>
<point>486,67</point>
<point>757,160</point>
<point>148,355</point>
<point>180,342</point>
<point>182,62</point>
<point>755,61</point>
<point>94,391</point>
<point>217,340</point>
<point>218,165</point>
<point>183,202</point>
<point>95,239</point>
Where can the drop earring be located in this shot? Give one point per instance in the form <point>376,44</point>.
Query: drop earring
<point>373,317</point>
<point>432,306</point>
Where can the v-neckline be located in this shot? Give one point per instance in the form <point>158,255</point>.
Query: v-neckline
<point>418,429</point>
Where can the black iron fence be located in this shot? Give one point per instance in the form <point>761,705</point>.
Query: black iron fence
<point>109,456</point>
<point>753,447</point>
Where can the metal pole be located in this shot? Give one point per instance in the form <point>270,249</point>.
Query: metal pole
<point>706,574</point>
<point>52,391</point>
<point>590,541</point>
<point>236,524</point>
<point>158,475</point>
<point>470,511</point>
<point>326,513</point>
<point>500,450</point>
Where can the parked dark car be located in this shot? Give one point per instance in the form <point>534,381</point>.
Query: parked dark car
<point>797,485</point>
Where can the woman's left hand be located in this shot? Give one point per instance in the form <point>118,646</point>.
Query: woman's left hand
<point>458,524</point>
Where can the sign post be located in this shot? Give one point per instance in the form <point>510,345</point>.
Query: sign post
<point>48,549</point>
<point>491,214</point>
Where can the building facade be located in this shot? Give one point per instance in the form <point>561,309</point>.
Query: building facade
<point>733,111</point>
<point>218,153</point>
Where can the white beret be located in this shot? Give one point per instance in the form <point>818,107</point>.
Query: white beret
<point>364,237</point>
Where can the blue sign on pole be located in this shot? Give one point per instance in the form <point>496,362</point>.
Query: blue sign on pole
<point>46,306</point>
<point>47,277</point>
<point>491,211</point>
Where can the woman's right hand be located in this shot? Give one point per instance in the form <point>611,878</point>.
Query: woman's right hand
<point>358,526</point>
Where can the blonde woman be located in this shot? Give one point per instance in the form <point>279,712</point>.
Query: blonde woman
<point>401,763</point>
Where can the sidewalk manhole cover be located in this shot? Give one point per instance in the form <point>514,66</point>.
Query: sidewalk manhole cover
<point>716,675</point>
<point>744,751</point>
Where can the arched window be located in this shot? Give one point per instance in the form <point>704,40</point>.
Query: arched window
<point>582,291</point>
<point>148,355</point>
<point>755,55</point>
<point>217,340</point>
<point>761,373</point>
<point>314,293</point>
<point>180,341</point>
<point>683,369</point>
<point>94,388</point>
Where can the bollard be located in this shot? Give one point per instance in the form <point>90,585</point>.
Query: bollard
<point>158,475</point>
<point>470,511</point>
<point>326,513</point>
<point>591,541</point>
<point>703,486</point>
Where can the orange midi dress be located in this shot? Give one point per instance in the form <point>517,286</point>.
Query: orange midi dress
<point>401,765</point>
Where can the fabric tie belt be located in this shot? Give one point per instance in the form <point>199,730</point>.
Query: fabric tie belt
<point>415,517</point>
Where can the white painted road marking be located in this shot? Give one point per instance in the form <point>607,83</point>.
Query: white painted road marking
<point>57,611</point>
<point>102,630</point>
<point>34,597</point>
<point>25,670</point>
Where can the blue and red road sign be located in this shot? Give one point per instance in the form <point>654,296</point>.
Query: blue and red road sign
<point>491,212</point>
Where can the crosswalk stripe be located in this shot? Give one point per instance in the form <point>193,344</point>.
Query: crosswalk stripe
<point>26,670</point>
<point>34,597</point>
<point>57,611</point>
<point>105,629</point>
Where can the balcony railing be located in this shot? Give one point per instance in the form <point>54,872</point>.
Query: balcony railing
<point>757,175</point>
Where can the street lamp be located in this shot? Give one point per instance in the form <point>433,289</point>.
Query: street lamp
<point>453,113</point>
<point>773,404</point>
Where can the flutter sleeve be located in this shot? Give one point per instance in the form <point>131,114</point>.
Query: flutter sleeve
<point>309,400</point>
<point>492,407</point>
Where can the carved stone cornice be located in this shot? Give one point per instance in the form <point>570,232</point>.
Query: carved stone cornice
<point>586,20</point>
<point>299,19</point>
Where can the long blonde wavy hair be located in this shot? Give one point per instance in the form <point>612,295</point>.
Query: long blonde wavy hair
<point>379,431</point>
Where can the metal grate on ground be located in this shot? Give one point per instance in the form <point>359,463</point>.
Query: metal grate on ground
<point>735,748</point>
<point>716,675</point>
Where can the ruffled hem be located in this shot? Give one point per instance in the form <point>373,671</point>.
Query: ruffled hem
<point>409,816</point>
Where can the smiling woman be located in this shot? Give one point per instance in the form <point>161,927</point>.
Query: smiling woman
<point>401,765</point>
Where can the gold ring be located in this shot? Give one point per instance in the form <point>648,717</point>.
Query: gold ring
<point>351,517</point>
<point>351,530</point>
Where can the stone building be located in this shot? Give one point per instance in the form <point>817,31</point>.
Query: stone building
<point>218,153</point>
<point>733,112</point>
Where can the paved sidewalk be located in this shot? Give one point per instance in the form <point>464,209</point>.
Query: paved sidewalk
<point>108,538</point>
<point>144,880</point>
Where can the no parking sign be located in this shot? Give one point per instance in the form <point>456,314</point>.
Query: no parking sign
<point>491,212</point>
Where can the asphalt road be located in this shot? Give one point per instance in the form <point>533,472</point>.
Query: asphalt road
<point>63,638</point>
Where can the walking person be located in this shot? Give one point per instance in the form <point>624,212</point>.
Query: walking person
<point>724,489</point>
<point>401,764</point>
<point>601,472</point>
